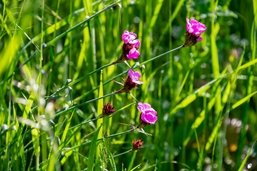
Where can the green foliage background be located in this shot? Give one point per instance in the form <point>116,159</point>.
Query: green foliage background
<point>55,78</point>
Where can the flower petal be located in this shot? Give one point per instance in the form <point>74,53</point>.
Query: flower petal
<point>135,43</point>
<point>195,27</point>
<point>133,54</point>
<point>149,116</point>
<point>128,36</point>
<point>134,76</point>
<point>143,106</point>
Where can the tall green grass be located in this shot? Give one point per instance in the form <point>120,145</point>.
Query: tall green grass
<point>56,75</point>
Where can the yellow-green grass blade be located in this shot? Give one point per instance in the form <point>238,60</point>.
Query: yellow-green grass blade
<point>189,99</point>
<point>248,154</point>
<point>156,13</point>
<point>243,100</point>
<point>213,135</point>
<point>93,150</point>
<point>8,54</point>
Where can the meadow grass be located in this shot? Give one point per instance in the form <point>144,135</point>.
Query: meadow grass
<point>57,74</point>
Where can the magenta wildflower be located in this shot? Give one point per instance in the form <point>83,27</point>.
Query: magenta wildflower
<point>127,36</point>
<point>135,43</point>
<point>134,76</point>
<point>195,27</point>
<point>148,114</point>
<point>133,54</point>
<point>130,46</point>
<point>194,30</point>
<point>132,81</point>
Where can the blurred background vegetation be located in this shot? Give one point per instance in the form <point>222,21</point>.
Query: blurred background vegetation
<point>51,86</point>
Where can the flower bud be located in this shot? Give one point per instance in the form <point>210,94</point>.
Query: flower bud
<point>137,144</point>
<point>108,109</point>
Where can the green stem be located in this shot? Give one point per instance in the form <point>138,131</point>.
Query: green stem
<point>107,65</point>
<point>90,73</point>
<point>165,53</point>
<point>125,152</point>
<point>117,134</point>
<point>85,122</point>
<point>132,160</point>
<point>83,103</point>
<point>110,136</point>
<point>102,67</point>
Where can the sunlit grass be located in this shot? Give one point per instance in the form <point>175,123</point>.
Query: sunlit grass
<point>57,73</point>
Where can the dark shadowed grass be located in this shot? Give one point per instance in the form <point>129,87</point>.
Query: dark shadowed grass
<point>57,74</point>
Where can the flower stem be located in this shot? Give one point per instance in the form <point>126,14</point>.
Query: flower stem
<point>125,152</point>
<point>133,96</point>
<point>90,73</point>
<point>83,103</point>
<point>165,53</point>
<point>119,133</point>
<point>84,122</point>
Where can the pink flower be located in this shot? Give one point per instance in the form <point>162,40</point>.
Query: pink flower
<point>194,30</point>
<point>131,82</point>
<point>195,27</point>
<point>143,106</point>
<point>134,76</point>
<point>128,36</point>
<point>130,46</point>
<point>133,54</point>
<point>135,43</point>
<point>148,114</point>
